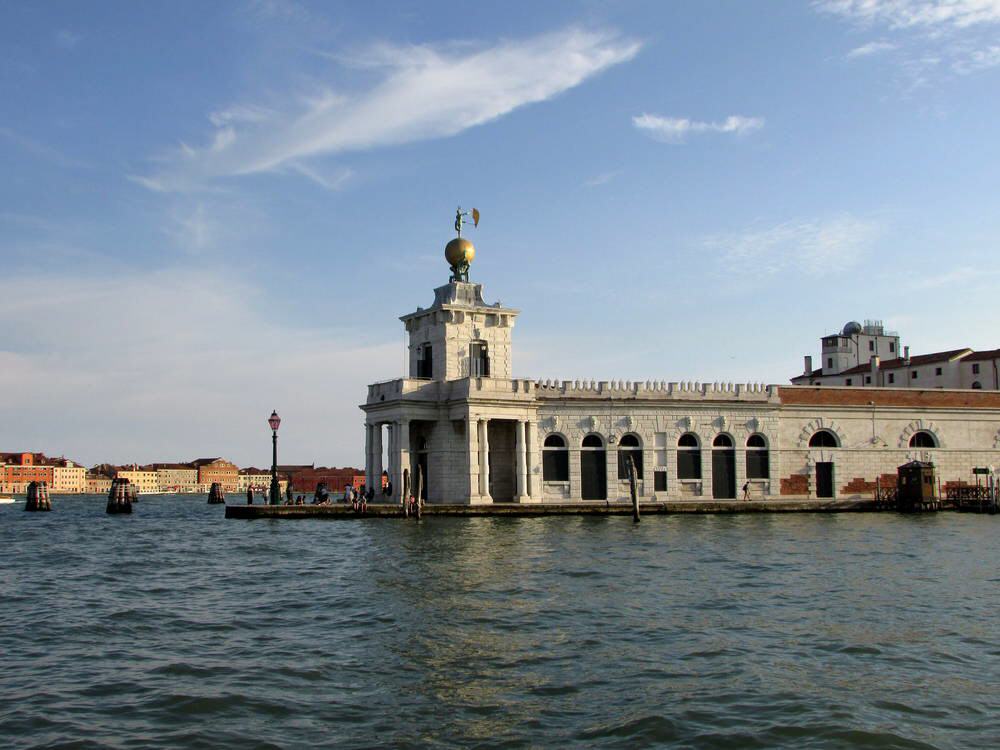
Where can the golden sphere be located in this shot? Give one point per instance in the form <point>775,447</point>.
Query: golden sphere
<point>459,251</point>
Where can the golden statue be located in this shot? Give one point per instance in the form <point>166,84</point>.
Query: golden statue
<point>460,252</point>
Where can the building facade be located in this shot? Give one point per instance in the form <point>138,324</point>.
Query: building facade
<point>176,477</point>
<point>98,484</point>
<point>218,470</point>
<point>469,432</point>
<point>68,477</point>
<point>143,477</point>
<point>866,355</point>
<point>21,469</point>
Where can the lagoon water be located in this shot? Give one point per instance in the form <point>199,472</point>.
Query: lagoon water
<point>176,628</point>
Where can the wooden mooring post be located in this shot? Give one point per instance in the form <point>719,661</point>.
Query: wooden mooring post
<point>633,489</point>
<point>419,504</point>
<point>120,496</point>
<point>38,497</point>
<point>215,494</point>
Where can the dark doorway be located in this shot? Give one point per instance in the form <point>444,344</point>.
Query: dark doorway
<point>593,469</point>
<point>824,479</point>
<point>421,475</point>
<point>724,474</point>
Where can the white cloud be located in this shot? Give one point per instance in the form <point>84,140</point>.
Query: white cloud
<point>904,14</point>
<point>676,129</point>
<point>602,179</point>
<point>872,48</point>
<point>425,93</point>
<point>176,364</point>
<point>977,59</point>
<point>814,247</point>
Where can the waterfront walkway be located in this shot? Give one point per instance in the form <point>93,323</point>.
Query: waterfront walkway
<point>393,510</point>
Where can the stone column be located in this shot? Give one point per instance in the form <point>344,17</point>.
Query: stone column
<point>521,491</point>
<point>534,478</point>
<point>401,445</point>
<point>368,455</point>
<point>611,468</point>
<point>706,470</point>
<point>377,463</point>
<point>484,459</point>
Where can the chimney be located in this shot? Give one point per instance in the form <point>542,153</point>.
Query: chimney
<point>874,361</point>
<point>906,355</point>
<point>809,364</point>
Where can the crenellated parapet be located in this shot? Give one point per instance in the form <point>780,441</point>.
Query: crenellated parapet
<point>657,389</point>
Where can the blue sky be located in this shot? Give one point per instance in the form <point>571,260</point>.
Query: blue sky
<point>210,210</point>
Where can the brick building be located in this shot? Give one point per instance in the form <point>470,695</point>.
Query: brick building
<point>217,470</point>
<point>20,469</point>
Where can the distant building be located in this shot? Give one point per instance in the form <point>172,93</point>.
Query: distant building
<point>306,479</point>
<point>176,477</point>
<point>218,470</point>
<point>868,356</point>
<point>259,480</point>
<point>68,477</point>
<point>98,484</point>
<point>21,469</point>
<point>142,476</point>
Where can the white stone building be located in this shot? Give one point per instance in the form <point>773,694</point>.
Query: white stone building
<point>476,434</point>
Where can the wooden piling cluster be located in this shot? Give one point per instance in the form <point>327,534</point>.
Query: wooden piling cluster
<point>215,494</point>
<point>38,497</point>
<point>120,496</point>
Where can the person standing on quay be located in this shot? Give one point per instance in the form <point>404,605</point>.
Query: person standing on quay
<point>746,490</point>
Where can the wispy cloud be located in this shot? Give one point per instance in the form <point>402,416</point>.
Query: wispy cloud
<point>425,92</point>
<point>814,247</point>
<point>601,179</point>
<point>904,14</point>
<point>677,129</point>
<point>872,48</point>
<point>935,38</point>
<point>39,150</point>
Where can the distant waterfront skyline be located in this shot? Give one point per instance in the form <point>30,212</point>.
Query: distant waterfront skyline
<point>210,212</point>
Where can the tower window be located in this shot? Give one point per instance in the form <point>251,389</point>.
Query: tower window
<point>425,361</point>
<point>892,347</point>
<point>871,346</point>
<point>829,362</point>
<point>892,377</point>
<point>479,360</point>
<point>975,368</point>
<point>937,370</point>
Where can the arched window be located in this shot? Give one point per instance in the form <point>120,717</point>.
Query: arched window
<point>628,447</point>
<point>923,439</point>
<point>479,360</point>
<point>823,439</point>
<point>593,469</point>
<point>758,462</point>
<point>977,386</point>
<point>425,361</point>
<point>722,441</point>
<point>688,457</point>
<point>555,459</point>
<point>592,441</point>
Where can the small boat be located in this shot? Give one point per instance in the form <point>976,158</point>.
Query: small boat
<point>7,500</point>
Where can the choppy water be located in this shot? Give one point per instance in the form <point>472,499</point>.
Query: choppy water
<point>177,628</point>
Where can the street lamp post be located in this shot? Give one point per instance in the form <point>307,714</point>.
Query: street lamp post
<point>274,421</point>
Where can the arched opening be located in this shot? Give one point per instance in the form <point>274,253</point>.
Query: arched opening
<point>479,360</point>
<point>823,439</point>
<point>593,469</point>
<point>723,468</point>
<point>758,460</point>
<point>977,386</point>
<point>425,361</point>
<point>923,439</point>
<point>688,457</point>
<point>629,447</point>
<point>555,459</point>
<point>824,469</point>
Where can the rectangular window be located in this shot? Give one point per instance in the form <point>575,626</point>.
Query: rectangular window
<point>660,481</point>
<point>975,368</point>
<point>868,379</point>
<point>479,360</point>
<point>937,370</point>
<point>849,381</point>
<point>913,375</point>
<point>871,346</point>
<point>425,361</point>
<point>689,463</point>
<point>623,456</point>
<point>892,377</point>
<point>758,465</point>
<point>555,466</point>
<point>829,362</point>
<point>892,347</point>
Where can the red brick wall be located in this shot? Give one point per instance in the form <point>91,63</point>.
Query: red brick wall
<point>796,484</point>
<point>861,486</point>
<point>913,397</point>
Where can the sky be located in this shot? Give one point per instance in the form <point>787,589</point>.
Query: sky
<point>212,210</point>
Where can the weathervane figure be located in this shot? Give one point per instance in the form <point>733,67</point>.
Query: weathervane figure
<point>460,252</point>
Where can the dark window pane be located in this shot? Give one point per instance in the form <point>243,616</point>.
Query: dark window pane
<point>687,440</point>
<point>756,441</point>
<point>555,441</point>
<point>555,466</point>
<point>623,456</point>
<point>629,441</point>
<point>758,465</point>
<point>688,464</point>
<point>593,441</point>
<point>660,481</point>
<point>723,441</point>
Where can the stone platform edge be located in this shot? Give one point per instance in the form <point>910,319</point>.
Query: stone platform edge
<point>553,509</point>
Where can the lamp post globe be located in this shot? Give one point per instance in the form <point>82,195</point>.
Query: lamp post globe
<point>274,421</point>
